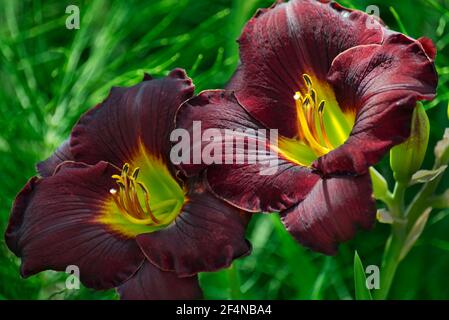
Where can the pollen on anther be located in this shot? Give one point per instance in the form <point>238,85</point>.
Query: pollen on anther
<point>113,191</point>
<point>297,96</point>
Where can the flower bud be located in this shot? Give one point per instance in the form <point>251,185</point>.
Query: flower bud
<point>407,158</point>
<point>380,185</point>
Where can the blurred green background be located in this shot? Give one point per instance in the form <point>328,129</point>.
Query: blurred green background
<point>49,75</point>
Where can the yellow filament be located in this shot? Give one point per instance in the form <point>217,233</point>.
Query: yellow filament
<point>311,131</point>
<point>304,128</point>
<point>147,202</point>
<point>137,210</point>
<point>323,129</point>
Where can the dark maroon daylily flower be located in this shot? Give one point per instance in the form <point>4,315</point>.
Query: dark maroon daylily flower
<point>109,202</point>
<point>340,88</point>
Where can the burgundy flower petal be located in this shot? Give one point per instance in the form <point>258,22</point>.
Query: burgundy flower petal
<point>151,283</point>
<point>280,44</point>
<point>247,189</point>
<point>47,167</point>
<point>271,183</point>
<point>53,225</point>
<point>429,47</point>
<point>382,83</point>
<point>143,114</point>
<point>331,212</point>
<point>206,236</point>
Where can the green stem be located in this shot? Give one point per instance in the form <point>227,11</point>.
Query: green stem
<point>404,220</point>
<point>398,199</point>
<point>395,243</point>
<point>391,260</point>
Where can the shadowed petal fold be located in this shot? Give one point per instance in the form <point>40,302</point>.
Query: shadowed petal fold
<point>47,167</point>
<point>207,235</point>
<point>280,44</point>
<point>266,183</point>
<point>53,225</point>
<point>151,283</point>
<point>382,83</point>
<point>130,118</point>
<point>331,213</point>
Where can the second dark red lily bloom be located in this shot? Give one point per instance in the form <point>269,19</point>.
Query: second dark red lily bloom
<point>340,88</point>
<point>109,202</point>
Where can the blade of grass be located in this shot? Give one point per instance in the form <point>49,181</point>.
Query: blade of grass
<point>361,290</point>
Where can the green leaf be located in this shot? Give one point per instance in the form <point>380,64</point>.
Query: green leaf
<point>361,290</point>
<point>398,20</point>
<point>448,110</point>
<point>424,176</point>
<point>321,281</point>
<point>415,233</point>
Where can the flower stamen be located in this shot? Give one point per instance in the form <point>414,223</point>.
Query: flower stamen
<point>308,110</point>
<point>323,129</point>
<point>133,199</point>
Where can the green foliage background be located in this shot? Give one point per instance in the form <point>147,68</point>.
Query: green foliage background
<point>50,75</point>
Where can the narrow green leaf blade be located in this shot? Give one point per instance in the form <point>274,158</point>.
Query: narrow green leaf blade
<point>415,233</point>
<point>361,290</point>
